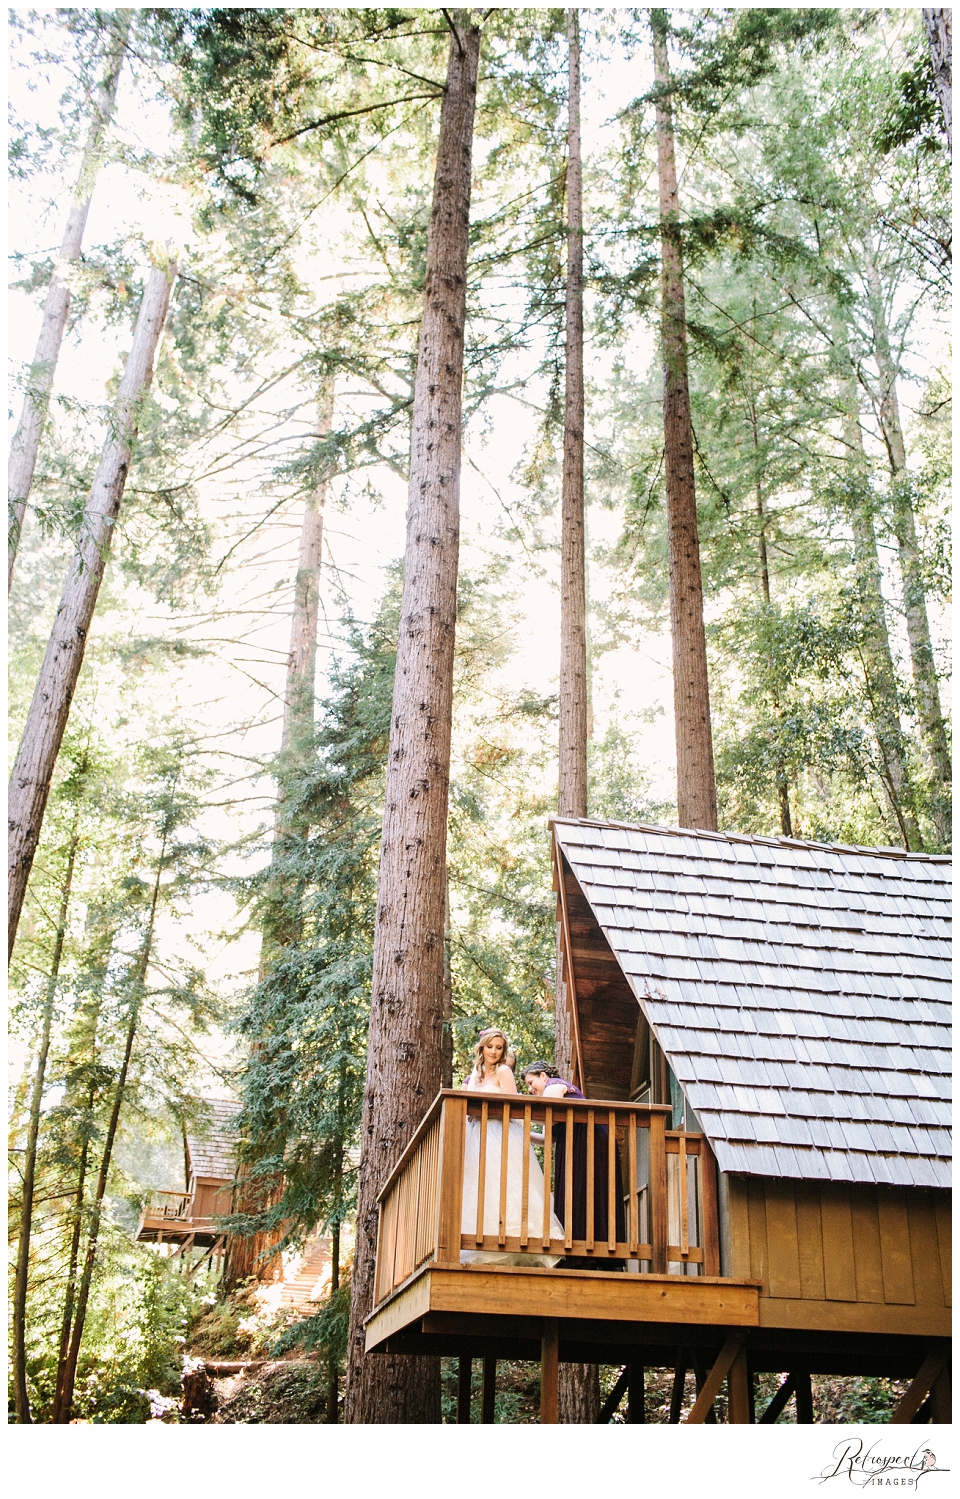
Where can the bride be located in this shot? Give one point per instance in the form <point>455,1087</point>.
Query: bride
<point>492,1074</point>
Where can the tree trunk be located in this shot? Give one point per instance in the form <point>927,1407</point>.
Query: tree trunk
<point>696,784</point>
<point>579,1384</point>
<point>403,1059</point>
<point>572,790</point>
<point>298,702</point>
<point>64,1407</point>
<point>446,1045</point>
<point>30,1162</point>
<point>56,308</point>
<point>925,681</point>
<point>877,659</point>
<point>92,1014</point>
<point>939,28</point>
<point>50,709</point>
<point>333,1372</point>
<point>249,1255</point>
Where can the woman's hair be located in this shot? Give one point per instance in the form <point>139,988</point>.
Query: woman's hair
<point>539,1067</point>
<point>494,1030</point>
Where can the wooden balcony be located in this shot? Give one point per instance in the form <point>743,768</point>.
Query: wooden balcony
<point>643,1212</point>
<point>184,1217</point>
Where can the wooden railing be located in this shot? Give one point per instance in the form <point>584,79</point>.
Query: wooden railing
<point>174,1206</point>
<point>647,1205</point>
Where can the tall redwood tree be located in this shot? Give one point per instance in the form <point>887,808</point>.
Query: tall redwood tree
<point>579,1384</point>
<point>696,783</point>
<point>404,1052</point>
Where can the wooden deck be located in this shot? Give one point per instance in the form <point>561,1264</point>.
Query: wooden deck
<point>173,1218</point>
<point>510,1303</point>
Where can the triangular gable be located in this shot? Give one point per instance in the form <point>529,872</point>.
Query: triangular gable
<point>799,991</point>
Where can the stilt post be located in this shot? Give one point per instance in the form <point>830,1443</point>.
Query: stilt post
<point>636,1405</point>
<point>550,1373</point>
<point>804,1400</point>
<point>464,1377</point>
<point>488,1397</point>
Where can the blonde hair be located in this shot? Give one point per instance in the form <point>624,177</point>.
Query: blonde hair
<point>476,1074</point>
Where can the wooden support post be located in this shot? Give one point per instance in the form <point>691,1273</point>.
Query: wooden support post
<point>941,1412</point>
<point>679,1380</point>
<point>488,1395</point>
<point>719,1372</point>
<point>658,1194</point>
<point>738,1382</point>
<point>612,1403</point>
<point>453,1129</point>
<point>550,1373</point>
<point>929,1372</point>
<point>779,1402</point>
<point>700,1376</point>
<point>804,1399</point>
<point>464,1378</point>
<point>636,1404</point>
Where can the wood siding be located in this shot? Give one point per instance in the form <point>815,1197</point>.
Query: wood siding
<point>830,1255</point>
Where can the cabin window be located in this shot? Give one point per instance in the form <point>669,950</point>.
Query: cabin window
<point>654,1081</point>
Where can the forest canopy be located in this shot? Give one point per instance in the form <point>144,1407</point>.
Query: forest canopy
<point>231,228</point>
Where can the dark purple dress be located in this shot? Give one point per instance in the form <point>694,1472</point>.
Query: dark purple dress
<point>579,1182</point>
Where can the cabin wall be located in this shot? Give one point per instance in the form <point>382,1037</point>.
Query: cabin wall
<point>211,1198</point>
<point>841,1257</point>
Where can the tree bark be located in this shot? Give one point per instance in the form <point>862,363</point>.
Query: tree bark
<point>66,1383</point>
<point>939,28</point>
<point>21,1393</point>
<point>91,1014</point>
<point>298,702</point>
<point>579,1384</point>
<point>50,709</point>
<point>572,789</point>
<point>877,659</point>
<point>56,307</point>
<point>926,685</point>
<point>403,1059</point>
<point>696,783</point>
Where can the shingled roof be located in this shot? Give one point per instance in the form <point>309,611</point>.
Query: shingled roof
<point>800,992</point>
<point>213,1148</point>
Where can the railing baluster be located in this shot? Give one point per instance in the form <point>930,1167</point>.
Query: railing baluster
<point>591,1183</point>
<point>482,1176</point>
<point>710,1235</point>
<point>658,1193</point>
<point>612,1182</point>
<point>568,1181</point>
<point>633,1193</point>
<point>525,1179</point>
<point>682,1187</point>
<point>504,1163</point>
<point>547,1172</point>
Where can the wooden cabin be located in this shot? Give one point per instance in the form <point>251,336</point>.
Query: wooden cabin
<point>763,1026</point>
<point>190,1219</point>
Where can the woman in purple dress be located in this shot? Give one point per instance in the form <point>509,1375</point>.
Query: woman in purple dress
<point>543,1079</point>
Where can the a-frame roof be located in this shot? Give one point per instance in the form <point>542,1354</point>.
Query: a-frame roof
<point>800,992</point>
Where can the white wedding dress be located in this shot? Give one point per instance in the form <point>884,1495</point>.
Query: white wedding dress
<point>491,1192</point>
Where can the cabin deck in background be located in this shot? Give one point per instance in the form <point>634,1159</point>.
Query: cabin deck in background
<point>190,1219</point>
<point>762,1025</point>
